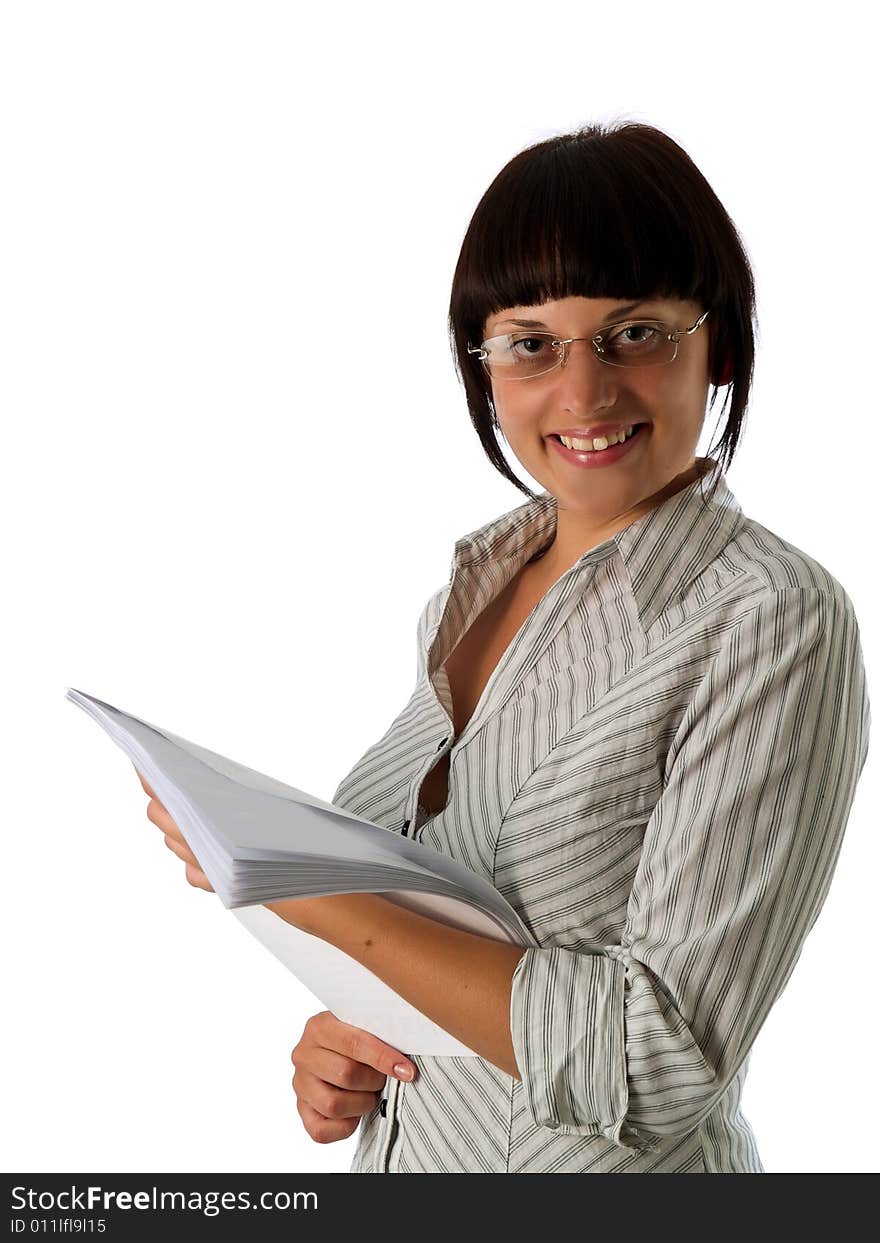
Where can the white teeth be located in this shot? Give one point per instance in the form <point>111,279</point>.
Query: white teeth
<point>601,442</point>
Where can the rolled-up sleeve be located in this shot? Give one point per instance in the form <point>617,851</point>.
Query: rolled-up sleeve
<point>638,1042</point>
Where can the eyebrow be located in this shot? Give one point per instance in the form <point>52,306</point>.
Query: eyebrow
<point>537,323</point>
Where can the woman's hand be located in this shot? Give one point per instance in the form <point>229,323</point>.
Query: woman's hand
<point>340,1070</point>
<point>175,840</point>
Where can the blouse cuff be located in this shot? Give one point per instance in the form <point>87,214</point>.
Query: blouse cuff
<point>567,1030</point>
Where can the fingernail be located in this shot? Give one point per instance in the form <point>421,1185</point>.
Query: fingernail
<point>402,1071</point>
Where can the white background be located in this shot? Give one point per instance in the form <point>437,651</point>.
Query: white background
<point>215,219</point>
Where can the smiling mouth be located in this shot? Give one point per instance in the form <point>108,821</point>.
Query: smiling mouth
<point>636,427</point>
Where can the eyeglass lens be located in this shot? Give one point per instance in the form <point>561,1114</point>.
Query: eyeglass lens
<point>634,344</point>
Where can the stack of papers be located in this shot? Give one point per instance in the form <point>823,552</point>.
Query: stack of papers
<point>258,840</point>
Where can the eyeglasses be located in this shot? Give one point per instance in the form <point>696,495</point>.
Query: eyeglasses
<point>525,354</point>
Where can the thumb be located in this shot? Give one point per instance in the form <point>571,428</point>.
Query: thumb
<point>363,1046</point>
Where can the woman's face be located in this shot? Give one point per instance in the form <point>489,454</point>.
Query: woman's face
<point>586,394</point>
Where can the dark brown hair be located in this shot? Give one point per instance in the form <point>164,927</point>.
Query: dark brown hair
<point>606,211</point>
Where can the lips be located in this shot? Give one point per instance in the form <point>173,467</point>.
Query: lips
<point>592,459</point>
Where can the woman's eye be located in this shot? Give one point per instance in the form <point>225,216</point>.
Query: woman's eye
<point>528,346</point>
<point>633,334</point>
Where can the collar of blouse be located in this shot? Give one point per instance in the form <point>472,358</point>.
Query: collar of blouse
<point>662,552</point>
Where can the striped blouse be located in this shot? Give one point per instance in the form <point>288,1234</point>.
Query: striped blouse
<point>657,777</point>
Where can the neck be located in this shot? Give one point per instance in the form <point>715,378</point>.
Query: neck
<point>572,539</point>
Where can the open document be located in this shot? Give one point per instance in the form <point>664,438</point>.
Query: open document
<point>258,840</point>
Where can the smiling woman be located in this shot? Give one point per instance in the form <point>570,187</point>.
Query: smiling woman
<point>638,713</point>
<point>629,699</point>
<point>609,426</point>
<point>606,221</point>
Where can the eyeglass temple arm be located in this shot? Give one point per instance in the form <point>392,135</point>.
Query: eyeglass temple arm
<point>687,331</point>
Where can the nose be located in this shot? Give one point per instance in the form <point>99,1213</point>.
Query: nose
<point>582,375</point>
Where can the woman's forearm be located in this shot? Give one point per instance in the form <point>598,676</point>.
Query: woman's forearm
<point>460,980</point>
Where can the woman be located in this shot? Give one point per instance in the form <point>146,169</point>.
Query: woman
<point>640,714</point>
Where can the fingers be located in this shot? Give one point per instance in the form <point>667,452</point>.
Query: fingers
<point>325,1130</point>
<point>194,873</point>
<point>329,1032</point>
<point>340,1071</point>
<point>175,841</point>
<point>181,850</point>
<point>198,879</point>
<point>163,820</point>
<point>143,782</point>
<point>337,1070</point>
<point>330,1101</point>
<point>158,813</point>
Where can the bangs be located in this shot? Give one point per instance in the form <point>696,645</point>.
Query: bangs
<point>559,227</point>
